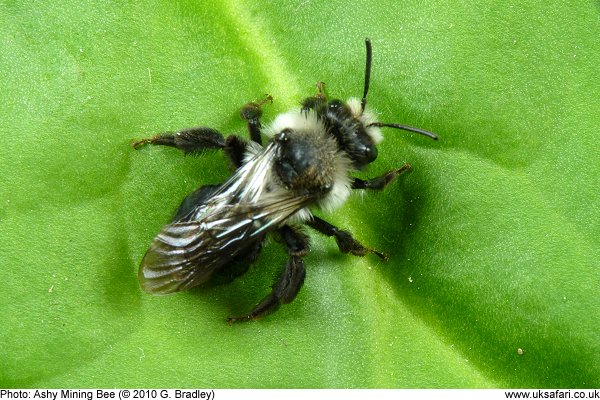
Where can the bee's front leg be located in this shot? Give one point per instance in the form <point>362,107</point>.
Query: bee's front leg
<point>251,113</point>
<point>317,103</point>
<point>289,282</point>
<point>379,182</point>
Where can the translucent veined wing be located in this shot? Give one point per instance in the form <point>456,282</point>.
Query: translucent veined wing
<point>187,253</point>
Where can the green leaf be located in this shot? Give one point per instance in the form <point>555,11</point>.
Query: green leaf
<point>493,277</point>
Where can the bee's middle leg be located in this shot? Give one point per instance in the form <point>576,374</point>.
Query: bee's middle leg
<point>199,139</point>
<point>191,140</point>
<point>344,239</point>
<point>289,282</point>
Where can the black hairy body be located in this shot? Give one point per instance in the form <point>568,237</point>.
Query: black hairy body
<point>305,164</point>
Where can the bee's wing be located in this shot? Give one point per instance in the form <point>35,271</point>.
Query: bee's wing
<point>185,254</point>
<point>188,252</point>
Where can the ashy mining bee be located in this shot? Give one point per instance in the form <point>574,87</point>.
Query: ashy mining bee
<point>305,164</point>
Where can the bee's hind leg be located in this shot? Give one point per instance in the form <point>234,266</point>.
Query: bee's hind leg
<point>251,113</point>
<point>240,264</point>
<point>289,282</point>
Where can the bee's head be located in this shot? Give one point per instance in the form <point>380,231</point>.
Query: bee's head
<point>355,128</point>
<point>350,125</point>
<point>358,130</point>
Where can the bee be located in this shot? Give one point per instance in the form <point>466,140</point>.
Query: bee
<point>305,164</point>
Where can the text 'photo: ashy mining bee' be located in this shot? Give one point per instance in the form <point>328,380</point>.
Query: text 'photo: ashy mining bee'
<point>305,164</point>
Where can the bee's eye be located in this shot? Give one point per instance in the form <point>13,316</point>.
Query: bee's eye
<point>367,152</point>
<point>334,105</point>
<point>339,109</point>
<point>370,153</point>
<point>361,149</point>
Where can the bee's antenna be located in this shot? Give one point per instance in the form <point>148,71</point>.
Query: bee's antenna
<point>406,128</point>
<point>363,102</point>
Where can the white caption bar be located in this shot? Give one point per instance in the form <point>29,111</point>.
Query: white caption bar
<point>292,394</point>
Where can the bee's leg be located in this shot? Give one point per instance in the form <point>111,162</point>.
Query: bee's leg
<point>199,139</point>
<point>251,113</point>
<point>289,282</point>
<point>235,148</point>
<point>381,181</point>
<point>318,102</point>
<point>191,140</point>
<point>284,291</point>
<point>240,264</point>
<point>346,243</point>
